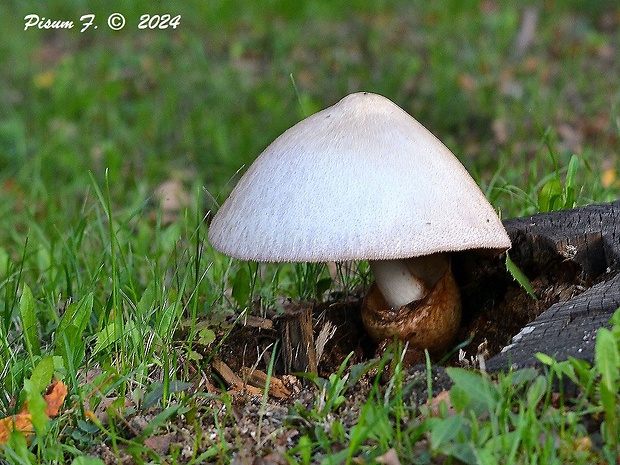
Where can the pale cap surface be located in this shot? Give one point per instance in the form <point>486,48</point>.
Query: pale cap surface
<point>360,180</point>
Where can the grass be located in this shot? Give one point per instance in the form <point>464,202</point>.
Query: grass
<point>123,298</point>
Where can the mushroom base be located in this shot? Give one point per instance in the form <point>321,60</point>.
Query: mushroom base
<point>429,323</point>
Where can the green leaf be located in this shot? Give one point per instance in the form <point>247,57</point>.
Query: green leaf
<point>445,430</point>
<point>546,359</point>
<point>569,183</point>
<point>459,398</point>
<point>19,447</point>
<point>484,395</point>
<point>607,359</point>
<point>167,319</point>
<point>113,332</point>
<point>304,447</point>
<point>322,285</point>
<point>70,346</point>
<point>156,393</point>
<point>520,277</point>
<point>5,262</point>
<point>583,371</point>
<point>206,336</point>
<point>536,391</point>
<point>159,420</point>
<point>241,287</point>
<point>522,376</point>
<point>69,339</point>
<point>147,301</point>
<point>463,452</point>
<point>36,406</point>
<point>29,321</point>
<point>550,196</point>
<point>42,374</point>
<point>609,401</point>
<point>77,314</point>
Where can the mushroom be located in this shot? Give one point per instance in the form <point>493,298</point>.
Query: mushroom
<point>363,180</point>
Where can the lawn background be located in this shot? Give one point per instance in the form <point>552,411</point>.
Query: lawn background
<point>93,123</point>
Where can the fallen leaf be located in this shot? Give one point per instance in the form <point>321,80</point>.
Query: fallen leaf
<point>271,459</point>
<point>443,396</point>
<point>527,30</point>
<point>160,443</point>
<point>467,82</point>
<point>389,458</point>
<point>54,397</point>
<point>20,422</point>
<point>500,130</point>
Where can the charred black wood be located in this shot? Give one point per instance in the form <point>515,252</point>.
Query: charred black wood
<point>586,242</point>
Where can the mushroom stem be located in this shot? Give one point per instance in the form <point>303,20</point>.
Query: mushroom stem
<point>407,280</point>
<point>432,320</point>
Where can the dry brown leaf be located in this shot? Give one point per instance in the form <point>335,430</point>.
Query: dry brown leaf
<point>389,458</point>
<point>160,443</point>
<point>271,459</point>
<point>20,422</point>
<point>467,82</point>
<point>527,30</point>
<point>443,396</point>
<point>54,397</point>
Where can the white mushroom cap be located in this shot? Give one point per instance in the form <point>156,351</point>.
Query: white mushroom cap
<point>360,180</point>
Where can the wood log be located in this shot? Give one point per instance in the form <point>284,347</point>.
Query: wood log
<point>588,237</point>
<point>565,329</point>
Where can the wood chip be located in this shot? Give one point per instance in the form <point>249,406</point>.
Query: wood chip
<point>258,379</point>
<point>232,380</point>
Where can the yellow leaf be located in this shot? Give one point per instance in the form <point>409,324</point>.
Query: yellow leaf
<point>45,79</point>
<point>20,422</point>
<point>608,177</point>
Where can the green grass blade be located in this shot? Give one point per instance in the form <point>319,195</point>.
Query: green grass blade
<point>520,277</point>
<point>29,322</point>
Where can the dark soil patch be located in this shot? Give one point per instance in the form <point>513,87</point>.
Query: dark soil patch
<point>496,307</point>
